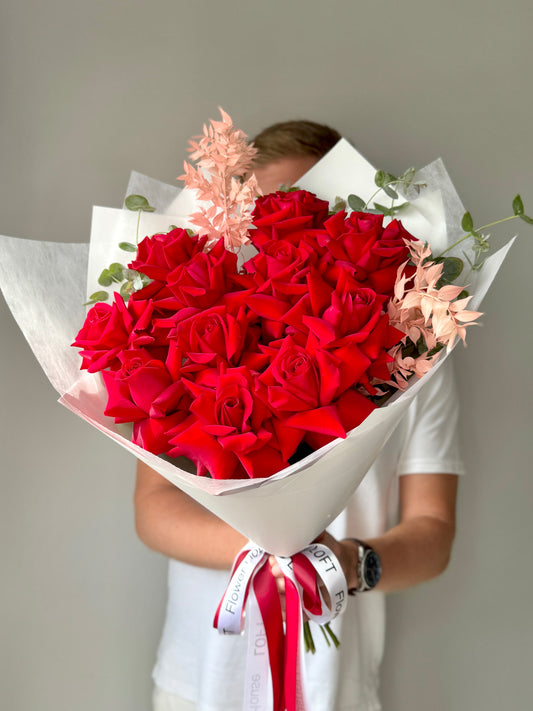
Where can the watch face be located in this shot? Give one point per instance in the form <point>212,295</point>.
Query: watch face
<point>372,569</point>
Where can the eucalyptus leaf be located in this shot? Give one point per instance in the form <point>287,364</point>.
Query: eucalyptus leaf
<point>390,192</point>
<point>356,203</point>
<point>127,247</point>
<point>408,177</point>
<point>518,205</point>
<point>467,223</point>
<point>384,209</point>
<point>126,290</point>
<point>116,271</point>
<point>402,206</point>
<point>380,178</point>
<point>138,202</point>
<point>338,205</point>
<point>97,297</point>
<point>105,278</point>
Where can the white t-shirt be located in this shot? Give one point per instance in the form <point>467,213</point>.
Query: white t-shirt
<point>197,663</point>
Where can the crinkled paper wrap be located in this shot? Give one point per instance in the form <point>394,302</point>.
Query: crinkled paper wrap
<point>285,512</point>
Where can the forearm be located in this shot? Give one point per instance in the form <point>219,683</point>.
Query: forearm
<point>419,547</point>
<point>413,552</point>
<point>170,522</point>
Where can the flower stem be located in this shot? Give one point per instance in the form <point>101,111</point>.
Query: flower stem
<point>470,234</point>
<point>497,222</point>
<point>138,223</point>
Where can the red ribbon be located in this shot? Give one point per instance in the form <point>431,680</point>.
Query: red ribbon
<point>252,571</point>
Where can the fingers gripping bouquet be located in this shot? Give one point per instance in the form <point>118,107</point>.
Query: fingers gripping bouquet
<point>256,385</point>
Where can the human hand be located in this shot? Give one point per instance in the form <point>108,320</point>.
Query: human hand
<point>346,553</point>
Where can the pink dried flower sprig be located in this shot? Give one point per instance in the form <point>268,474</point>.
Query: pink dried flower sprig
<point>420,309</point>
<point>223,156</point>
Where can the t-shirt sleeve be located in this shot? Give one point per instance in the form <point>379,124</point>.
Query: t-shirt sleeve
<point>431,445</point>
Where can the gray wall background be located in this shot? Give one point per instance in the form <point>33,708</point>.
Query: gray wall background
<point>90,90</point>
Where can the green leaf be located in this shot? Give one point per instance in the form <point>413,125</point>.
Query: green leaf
<point>97,297</point>
<point>190,232</point>
<point>138,202</point>
<point>467,223</point>
<point>117,271</point>
<point>126,290</point>
<point>380,178</point>
<point>435,350</point>
<point>402,206</point>
<point>105,278</point>
<point>518,205</point>
<point>384,210</point>
<point>452,268</point>
<point>356,203</point>
<point>338,205</point>
<point>527,219</point>
<point>127,247</point>
<point>408,177</point>
<point>390,192</point>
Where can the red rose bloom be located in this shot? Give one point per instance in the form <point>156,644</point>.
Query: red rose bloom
<point>104,334</point>
<point>205,279</point>
<point>215,335</point>
<point>279,214</point>
<point>371,253</point>
<point>160,254</point>
<point>228,435</point>
<point>143,392</point>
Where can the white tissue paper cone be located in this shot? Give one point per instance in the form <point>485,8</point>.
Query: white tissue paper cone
<point>286,511</point>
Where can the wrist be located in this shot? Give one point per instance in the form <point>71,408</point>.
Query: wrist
<point>351,563</point>
<point>366,570</point>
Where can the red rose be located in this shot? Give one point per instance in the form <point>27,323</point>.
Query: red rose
<point>299,388</point>
<point>357,332</point>
<point>160,254</point>
<point>227,435</point>
<point>278,214</point>
<point>143,392</point>
<point>133,389</point>
<point>370,253</point>
<point>104,334</point>
<point>205,279</point>
<point>216,334</point>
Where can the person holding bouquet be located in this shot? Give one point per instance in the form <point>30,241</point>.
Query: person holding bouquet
<point>396,531</point>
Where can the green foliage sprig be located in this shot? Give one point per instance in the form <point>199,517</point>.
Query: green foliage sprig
<point>389,184</point>
<point>453,266</point>
<point>117,273</point>
<point>481,244</point>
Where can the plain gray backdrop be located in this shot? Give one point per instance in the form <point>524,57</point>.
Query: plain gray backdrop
<point>93,89</point>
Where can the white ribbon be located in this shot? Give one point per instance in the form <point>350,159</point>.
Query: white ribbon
<point>230,616</point>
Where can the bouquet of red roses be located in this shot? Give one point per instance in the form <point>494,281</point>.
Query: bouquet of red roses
<point>242,370</point>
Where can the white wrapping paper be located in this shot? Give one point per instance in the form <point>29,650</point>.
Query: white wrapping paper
<point>285,512</point>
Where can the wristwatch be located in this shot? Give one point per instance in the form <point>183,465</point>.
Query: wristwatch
<point>368,567</point>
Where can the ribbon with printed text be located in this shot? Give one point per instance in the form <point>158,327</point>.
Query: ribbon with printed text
<point>275,649</point>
